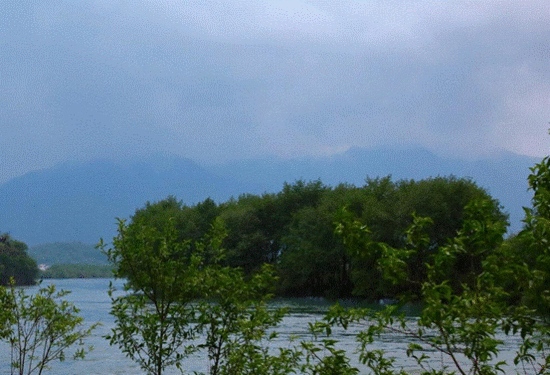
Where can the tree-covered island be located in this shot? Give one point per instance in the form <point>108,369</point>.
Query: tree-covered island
<point>294,230</point>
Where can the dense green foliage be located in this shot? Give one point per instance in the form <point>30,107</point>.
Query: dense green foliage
<point>39,328</point>
<point>153,321</point>
<point>15,263</point>
<point>294,230</point>
<point>460,299</point>
<point>182,299</point>
<point>178,289</point>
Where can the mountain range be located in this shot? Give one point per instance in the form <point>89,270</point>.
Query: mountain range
<point>80,201</point>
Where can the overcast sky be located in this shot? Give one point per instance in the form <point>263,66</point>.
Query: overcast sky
<point>219,80</point>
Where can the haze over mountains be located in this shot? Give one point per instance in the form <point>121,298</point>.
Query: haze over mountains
<point>80,201</point>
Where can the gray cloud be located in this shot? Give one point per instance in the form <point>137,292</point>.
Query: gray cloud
<point>219,80</point>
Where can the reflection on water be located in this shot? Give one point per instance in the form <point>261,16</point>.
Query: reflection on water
<point>90,296</point>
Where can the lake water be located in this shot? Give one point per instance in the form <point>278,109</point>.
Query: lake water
<point>90,296</point>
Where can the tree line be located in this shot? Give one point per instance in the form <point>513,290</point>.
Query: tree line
<point>295,229</point>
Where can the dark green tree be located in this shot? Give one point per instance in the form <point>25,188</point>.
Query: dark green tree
<point>250,242</point>
<point>389,209</point>
<point>535,238</point>
<point>314,261</point>
<point>257,224</point>
<point>15,263</point>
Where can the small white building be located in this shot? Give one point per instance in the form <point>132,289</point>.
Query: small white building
<point>43,267</point>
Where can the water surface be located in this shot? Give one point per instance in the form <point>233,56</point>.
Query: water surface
<point>90,296</point>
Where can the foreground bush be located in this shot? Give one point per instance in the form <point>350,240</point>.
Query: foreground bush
<point>40,328</point>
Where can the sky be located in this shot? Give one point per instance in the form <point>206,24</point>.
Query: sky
<point>238,79</point>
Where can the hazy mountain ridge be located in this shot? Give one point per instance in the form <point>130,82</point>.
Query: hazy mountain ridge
<point>79,201</point>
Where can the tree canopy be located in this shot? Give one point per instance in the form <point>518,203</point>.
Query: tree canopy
<point>16,263</point>
<point>294,229</point>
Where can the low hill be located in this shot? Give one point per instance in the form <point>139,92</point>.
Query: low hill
<point>67,253</point>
